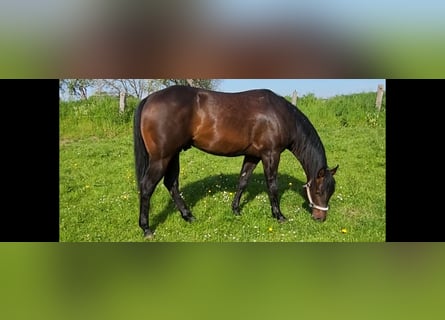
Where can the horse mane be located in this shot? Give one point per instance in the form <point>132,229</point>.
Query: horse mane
<point>308,147</point>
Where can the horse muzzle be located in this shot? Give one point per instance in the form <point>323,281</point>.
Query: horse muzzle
<point>319,215</point>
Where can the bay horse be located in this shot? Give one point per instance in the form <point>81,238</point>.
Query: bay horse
<point>257,124</point>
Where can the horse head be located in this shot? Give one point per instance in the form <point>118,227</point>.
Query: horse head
<point>319,190</point>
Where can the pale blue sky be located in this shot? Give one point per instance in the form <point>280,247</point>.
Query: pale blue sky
<point>322,88</point>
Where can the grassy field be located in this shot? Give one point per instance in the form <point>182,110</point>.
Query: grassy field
<point>99,200</point>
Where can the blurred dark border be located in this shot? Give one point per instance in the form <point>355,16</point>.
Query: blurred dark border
<point>221,39</point>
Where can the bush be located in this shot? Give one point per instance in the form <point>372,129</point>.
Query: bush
<point>97,116</point>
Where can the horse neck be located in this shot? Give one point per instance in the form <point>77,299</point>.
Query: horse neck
<point>309,150</point>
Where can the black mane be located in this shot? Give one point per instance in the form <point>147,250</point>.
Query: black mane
<point>307,146</point>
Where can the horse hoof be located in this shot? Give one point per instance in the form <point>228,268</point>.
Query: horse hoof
<point>281,219</point>
<point>148,234</point>
<point>189,218</point>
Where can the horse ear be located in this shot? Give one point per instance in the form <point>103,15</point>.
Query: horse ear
<point>334,170</point>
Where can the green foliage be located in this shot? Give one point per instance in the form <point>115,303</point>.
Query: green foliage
<point>348,110</point>
<point>98,117</point>
<point>99,200</point>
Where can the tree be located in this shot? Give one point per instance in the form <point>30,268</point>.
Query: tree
<point>129,87</point>
<point>134,87</point>
<point>211,84</point>
<point>76,87</point>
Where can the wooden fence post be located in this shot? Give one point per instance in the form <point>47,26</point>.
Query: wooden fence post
<point>122,101</point>
<point>378,100</point>
<point>294,98</point>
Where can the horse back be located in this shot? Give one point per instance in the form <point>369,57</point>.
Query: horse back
<point>250,122</point>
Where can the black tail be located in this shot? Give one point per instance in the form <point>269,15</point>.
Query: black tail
<point>140,153</point>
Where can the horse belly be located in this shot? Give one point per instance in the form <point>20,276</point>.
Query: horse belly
<point>222,142</point>
<point>252,139</point>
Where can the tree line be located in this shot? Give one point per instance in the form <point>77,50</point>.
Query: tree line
<point>83,88</point>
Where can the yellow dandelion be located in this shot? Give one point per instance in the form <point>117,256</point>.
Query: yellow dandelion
<point>344,230</point>
<point>270,229</point>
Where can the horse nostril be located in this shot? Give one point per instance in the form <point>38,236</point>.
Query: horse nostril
<point>319,218</point>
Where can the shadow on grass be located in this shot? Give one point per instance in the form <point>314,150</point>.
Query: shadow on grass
<point>196,191</point>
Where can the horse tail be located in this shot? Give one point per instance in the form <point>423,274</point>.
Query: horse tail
<point>141,156</point>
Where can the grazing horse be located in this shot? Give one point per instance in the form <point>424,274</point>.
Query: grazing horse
<point>256,124</point>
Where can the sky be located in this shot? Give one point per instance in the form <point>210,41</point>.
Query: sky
<point>321,88</point>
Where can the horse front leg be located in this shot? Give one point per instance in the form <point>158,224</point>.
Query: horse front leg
<point>270,164</point>
<point>249,164</point>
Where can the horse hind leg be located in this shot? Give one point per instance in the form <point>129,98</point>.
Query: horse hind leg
<point>148,184</point>
<point>249,164</point>
<point>171,182</point>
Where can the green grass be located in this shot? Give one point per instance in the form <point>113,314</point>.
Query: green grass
<point>99,200</point>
